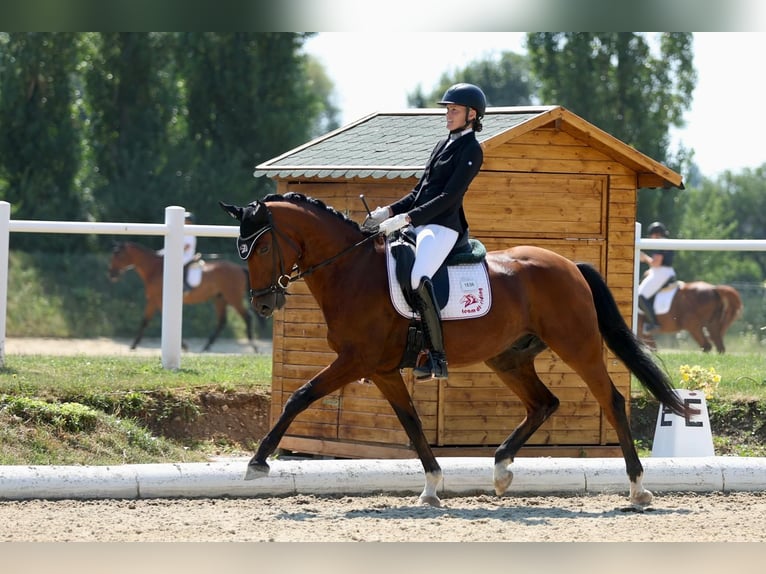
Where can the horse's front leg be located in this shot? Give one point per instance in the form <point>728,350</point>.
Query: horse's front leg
<point>331,378</point>
<point>139,336</point>
<point>393,388</point>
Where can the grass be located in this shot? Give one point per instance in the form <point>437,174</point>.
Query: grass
<point>736,408</point>
<point>743,376</point>
<point>87,410</point>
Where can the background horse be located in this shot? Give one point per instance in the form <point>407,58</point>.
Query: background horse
<point>223,281</point>
<point>706,311</point>
<point>539,299</point>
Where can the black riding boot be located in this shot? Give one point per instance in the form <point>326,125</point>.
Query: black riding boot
<point>436,365</point>
<point>650,319</point>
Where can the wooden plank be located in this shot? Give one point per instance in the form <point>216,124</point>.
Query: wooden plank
<point>538,165</point>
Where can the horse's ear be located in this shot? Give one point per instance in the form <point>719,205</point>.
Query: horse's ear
<point>233,210</point>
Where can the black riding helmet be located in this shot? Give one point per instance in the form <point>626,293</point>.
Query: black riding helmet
<point>659,227</point>
<point>469,96</point>
<point>466,95</point>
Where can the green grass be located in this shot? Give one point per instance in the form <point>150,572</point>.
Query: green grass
<point>743,375</point>
<point>90,410</point>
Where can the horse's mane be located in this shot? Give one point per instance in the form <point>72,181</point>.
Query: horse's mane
<point>139,246</point>
<point>299,198</point>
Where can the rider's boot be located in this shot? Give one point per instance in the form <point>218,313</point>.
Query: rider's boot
<point>650,319</point>
<point>436,364</point>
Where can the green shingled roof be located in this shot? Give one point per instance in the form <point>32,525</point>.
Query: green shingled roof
<point>397,145</point>
<point>383,145</point>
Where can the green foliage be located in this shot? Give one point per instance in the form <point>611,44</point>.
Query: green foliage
<point>505,81</point>
<point>66,416</point>
<point>70,295</point>
<point>731,207</point>
<point>116,126</point>
<point>97,410</point>
<point>39,140</point>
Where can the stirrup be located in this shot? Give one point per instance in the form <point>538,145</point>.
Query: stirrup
<point>431,368</point>
<point>649,327</point>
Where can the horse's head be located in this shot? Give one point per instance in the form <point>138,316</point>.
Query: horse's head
<point>120,261</point>
<point>260,245</point>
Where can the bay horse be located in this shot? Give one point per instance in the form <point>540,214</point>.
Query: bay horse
<point>223,281</point>
<point>706,311</point>
<point>539,299</point>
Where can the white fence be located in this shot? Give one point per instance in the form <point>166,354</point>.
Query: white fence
<point>172,288</point>
<point>174,229</point>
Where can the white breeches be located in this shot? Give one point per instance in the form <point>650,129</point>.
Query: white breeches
<point>434,242</point>
<point>654,280</point>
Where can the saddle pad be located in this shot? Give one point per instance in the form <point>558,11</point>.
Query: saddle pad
<point>469,293</point>
<point>664,298</point>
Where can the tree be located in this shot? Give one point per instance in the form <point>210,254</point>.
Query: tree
<point>731,207</point>
<point>616,82</point>
<point>39,139</point>
<point>249,98</point>
<point>505,81</point>
<point>132,101</point>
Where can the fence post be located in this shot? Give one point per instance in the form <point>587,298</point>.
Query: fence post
<point>636,277</point>
<point>172,288</point>
<point>5,239</point>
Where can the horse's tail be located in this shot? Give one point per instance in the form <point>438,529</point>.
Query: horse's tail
<point>731,305</point>
<point>631,351</point>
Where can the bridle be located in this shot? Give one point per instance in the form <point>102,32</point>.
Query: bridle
<point>280,280</point>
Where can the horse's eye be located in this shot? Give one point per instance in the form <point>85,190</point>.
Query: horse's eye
<point>263,249</point>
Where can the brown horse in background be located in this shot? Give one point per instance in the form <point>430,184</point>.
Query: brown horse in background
<point>223,281</point>
<point>706,311</point>
<point>539,300</point>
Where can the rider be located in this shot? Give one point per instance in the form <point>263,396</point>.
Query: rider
<point>190,251</point>
<point>435,208</point>
<point>659,273</point>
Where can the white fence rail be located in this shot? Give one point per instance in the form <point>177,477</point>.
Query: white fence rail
<point>174,229</point>
<point>172,287</point>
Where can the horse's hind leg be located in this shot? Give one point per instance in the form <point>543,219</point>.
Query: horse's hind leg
<point>393,388</point>
<point>220,312</point>
<point>516,369</point>
<point>588,362</point>
<point>698,334</point>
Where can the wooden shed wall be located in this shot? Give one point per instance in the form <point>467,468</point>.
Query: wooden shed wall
<point>544,188</point>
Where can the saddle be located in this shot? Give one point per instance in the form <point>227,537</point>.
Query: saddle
<point>464,269</point>
<point>465,251</point>
<point>663,298</point>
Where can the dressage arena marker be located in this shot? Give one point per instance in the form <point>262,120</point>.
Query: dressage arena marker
<point>678,436</point>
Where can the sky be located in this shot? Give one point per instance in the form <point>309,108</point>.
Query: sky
<point>374,72</point>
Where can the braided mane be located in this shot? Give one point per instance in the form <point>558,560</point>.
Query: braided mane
<point>298,198</point>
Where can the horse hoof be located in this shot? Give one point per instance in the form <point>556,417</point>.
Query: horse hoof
<point>642,499</point>
<point>503,478</point>
<point>431,501</point>
<point>256,470</point>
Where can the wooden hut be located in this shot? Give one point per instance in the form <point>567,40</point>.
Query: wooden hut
<point>549,179</point>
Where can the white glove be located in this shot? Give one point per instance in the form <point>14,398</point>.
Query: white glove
<point>394,223</point>
<point>379,215</point>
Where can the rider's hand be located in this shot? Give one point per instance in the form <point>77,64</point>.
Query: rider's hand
<point>378,216</point>
<point>394,223</point>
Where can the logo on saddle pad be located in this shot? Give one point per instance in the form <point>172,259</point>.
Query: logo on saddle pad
<point>469,293</point>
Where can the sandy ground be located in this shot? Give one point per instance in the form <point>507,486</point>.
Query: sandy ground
<point>106,346</point>
<point>308,518</point>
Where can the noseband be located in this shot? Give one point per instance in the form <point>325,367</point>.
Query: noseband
<point>281,280</point>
